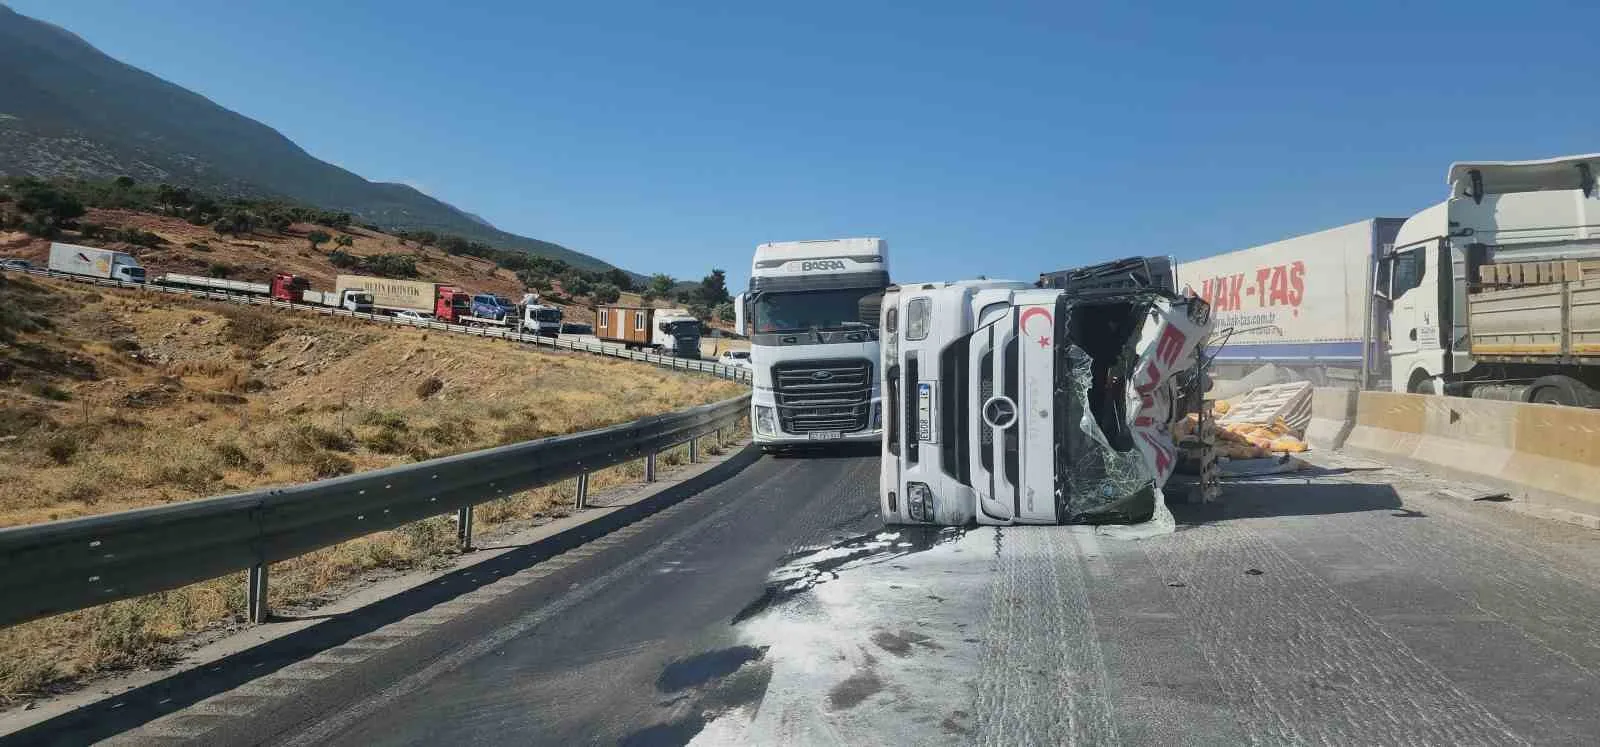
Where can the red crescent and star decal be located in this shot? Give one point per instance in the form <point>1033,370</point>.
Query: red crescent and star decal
<point>1049,323</point>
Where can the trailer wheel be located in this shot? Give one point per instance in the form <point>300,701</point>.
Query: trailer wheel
<point>1560,390</point>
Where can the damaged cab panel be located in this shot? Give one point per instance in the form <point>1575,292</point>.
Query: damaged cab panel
<point>1010,404</point>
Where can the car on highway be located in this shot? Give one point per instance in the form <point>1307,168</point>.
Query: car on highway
<point>21,265</point>
<point>414,316</point>
<point>736,358</point>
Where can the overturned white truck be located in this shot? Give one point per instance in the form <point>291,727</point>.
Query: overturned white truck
<point>1007,403</point>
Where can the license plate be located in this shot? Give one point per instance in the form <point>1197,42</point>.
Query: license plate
<point>925,431</point>
<point>825,435</point>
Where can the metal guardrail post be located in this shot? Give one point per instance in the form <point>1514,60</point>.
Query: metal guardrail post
<point>256,594</point>
<point>694,450</point>
<point>581,501</point>
<point>650,467</point>
<point>464,528</point>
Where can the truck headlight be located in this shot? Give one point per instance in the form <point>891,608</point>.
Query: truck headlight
<point>766,421</point>
<point>917,311</point>
<point>919,501</point>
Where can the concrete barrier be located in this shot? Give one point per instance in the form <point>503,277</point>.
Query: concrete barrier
<point>1541,453</point>
<point>1333,415</point>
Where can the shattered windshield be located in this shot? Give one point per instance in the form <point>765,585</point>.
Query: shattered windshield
<point>1119,361</point>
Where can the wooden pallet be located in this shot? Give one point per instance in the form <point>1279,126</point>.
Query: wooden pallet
<point>1519,274</point>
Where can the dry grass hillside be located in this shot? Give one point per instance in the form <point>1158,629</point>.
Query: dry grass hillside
<point>111,400</point>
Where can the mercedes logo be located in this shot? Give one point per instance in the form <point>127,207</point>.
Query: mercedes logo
<point>1000,412</point>
<point>822,375</point>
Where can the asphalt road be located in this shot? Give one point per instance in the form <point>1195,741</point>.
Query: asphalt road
<point>1346,607</point>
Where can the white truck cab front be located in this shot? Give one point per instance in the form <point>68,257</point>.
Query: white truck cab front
<point>1010,404</point>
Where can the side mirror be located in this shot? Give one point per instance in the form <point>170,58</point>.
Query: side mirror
<point>739,314</point>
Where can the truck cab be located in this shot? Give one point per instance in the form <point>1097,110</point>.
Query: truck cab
<point>541,320</point>
<point>357,300</point>
<point>811,313</point>
<point>451,304</point>
<point>288,287</point>
<point>1011,404</point>
<point>677,332</point>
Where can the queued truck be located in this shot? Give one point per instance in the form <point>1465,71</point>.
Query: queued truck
<point>1007,403</point>
<point>674,332</point>
<point>88,261</point>
<point>284,287</point>
<point>445,302</point>
<point>1493,293</point>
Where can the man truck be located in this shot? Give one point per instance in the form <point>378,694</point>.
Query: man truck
<point>1010,404</point>
<point>811,313</point>
<point>96,263</point>
<point>1495,292</point>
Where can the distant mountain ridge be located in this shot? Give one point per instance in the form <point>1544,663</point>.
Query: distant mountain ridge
<point>68,110</point>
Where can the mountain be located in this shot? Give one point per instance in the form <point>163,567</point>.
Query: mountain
<point>68,110</point>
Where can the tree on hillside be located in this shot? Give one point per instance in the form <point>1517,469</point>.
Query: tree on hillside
<point>619,278</point>
<point>344,239</point>
<point>660,284</point>
<point>45,209</point>
<point>714,289</point>
<point>724,311</point>
<point>577,285</point>
<point>606,293</point>
<point>317,238</point>
<point>236,222</point>
<point>123,182</point>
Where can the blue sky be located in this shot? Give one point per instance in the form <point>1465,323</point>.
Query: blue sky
<point>993,139</point>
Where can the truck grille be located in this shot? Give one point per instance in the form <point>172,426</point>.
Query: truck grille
<point>833,395</point>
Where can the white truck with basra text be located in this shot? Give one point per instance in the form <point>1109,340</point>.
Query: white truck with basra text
<point>811,314</point>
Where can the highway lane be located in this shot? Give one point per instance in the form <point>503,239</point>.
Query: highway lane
<point>1345,607</point>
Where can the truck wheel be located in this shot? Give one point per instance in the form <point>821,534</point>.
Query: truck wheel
<point>1560,390</point>
<point>1421,383</point>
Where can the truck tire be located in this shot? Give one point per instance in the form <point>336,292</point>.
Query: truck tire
<point>1560,390</point>
<point>1421,383</point>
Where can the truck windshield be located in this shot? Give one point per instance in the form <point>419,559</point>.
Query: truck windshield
<point>804,310</point>
<point>547,315</point>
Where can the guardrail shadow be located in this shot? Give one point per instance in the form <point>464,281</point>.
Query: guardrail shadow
<point>1256,499</point>
<point>111,716</point>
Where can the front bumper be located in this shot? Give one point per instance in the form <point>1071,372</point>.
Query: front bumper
<point>767,428</point>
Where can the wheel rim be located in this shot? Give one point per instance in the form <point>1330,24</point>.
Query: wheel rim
<point>1548,396</point>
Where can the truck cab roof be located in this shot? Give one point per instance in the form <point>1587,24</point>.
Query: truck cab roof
<point>1506,177</point>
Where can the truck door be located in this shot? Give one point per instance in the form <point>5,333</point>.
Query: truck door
<point>1413,323</point>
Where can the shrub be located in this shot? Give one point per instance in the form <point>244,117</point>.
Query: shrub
<point>343,260</point>
<point>388,420</point>
<point>448,432</point>
<point>252,329</point>
<point>327,464</point>
<point>318,238</point>
<point>62,446</point>
<point>219,270</point>
<point>48,391</point>
<point>231,455</point>
<point>429,387</point>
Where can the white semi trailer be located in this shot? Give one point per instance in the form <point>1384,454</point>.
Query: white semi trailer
<point>96,263</point>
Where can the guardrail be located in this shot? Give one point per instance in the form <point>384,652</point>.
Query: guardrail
<point>734,373</point>
<point>60,566</point>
